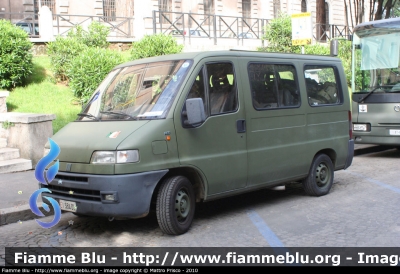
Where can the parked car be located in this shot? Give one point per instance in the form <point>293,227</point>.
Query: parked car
<point>31,28</point>
<point>193,32</point>
<point>246,35</point>
<point>242,35</point>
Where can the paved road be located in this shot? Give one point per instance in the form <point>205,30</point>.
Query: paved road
<point>362,210</point>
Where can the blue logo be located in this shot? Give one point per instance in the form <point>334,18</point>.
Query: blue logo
<point>44,178</point>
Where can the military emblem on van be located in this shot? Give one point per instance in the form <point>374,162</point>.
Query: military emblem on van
<point>397,108</point>
<point>113,134</point>
<point>362,108</point>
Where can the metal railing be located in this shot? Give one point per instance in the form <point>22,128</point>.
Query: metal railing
<point>120,27</point>
<point>212,26</point>
<point>325,32</point>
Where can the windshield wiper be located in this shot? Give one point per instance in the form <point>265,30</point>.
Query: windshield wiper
<point>369,93</point>
<point>118,113</point>
<point>88,115</point>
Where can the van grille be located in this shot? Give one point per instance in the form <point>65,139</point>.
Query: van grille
<point>78,193</point>
<point>71,178</point>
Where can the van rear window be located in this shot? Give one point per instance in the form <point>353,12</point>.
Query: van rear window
<point>321,86</point>
<point>273,86</point>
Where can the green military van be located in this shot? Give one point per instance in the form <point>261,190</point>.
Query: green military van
<point>167,132</point>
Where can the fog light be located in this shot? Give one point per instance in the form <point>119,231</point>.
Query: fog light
<point>109,197</point>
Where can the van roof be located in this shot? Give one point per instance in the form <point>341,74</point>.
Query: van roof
<point>238,53</point>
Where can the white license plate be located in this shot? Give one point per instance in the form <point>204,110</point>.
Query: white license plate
<point>360,127</point>
<point>67,205</point>
<point>394,131</point>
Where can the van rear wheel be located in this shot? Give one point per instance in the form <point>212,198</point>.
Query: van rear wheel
<point>175,205</point>
<point>320,178</point>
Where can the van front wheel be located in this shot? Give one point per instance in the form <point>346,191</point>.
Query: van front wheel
<point>320,178</point>
<point>175,205</point>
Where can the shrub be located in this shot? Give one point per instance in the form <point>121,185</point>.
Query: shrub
<point>278,34</point>
<point>15,55</point>
<point>95,36</point>
<point>89,68</point>
<point>62,51</point>
<point>155,45</point>
<point>317,49</point>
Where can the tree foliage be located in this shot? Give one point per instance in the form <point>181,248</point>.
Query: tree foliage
<point>378,9</point>
<point>382,9</point>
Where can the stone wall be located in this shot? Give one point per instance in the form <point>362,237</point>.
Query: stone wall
<point>28,132</point>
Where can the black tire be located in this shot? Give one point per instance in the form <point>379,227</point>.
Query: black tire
<point>320,177</point>
<point>175,205</point>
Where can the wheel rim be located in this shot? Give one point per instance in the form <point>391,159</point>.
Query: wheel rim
<point>322,175</point>
<point>182,205</point>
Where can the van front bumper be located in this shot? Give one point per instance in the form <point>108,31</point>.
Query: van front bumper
<point>128,195</point>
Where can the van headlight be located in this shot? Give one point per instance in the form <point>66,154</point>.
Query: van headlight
<point>112,157</point>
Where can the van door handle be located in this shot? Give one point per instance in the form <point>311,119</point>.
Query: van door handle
<point>241,126</point>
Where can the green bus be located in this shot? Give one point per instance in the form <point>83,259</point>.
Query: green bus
<point>376,82</point>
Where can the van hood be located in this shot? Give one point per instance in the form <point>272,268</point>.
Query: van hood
<point>78,140</point>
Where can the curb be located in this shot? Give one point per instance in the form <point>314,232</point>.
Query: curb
<point>370,149</point>
<point>22,213</point>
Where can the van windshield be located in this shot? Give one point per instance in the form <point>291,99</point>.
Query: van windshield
<point>144,91</point>
<point>377,63</point>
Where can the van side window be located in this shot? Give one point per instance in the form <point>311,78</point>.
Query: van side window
<point>197,90</point>
<point>321,85</point>
<point>216,86</point>
<point>273,86</point>
<point>222,88</point>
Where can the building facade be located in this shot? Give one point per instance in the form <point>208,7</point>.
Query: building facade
<point>131,19</point>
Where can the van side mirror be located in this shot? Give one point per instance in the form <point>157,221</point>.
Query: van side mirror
<point>195,111</point>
